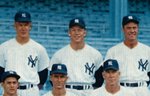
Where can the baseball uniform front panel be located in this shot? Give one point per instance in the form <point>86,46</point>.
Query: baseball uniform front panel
<point>68,93</point>
<point>27,60</point>
<point>134,63</point>
<point>81,64</point>
<point>103,92</point>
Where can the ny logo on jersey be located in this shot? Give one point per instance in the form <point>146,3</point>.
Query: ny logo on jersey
<point>143,64</point>
<point>32,61</point>
<point>89,68</point>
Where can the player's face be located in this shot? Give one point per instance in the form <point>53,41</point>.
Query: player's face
<point>111,77</point>
<point>22,29</point>
<point>59,80</point>
<point>130,31</point>
<point>77,34</point>
<point>10,86</point>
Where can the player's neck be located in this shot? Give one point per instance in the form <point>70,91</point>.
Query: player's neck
<point>22,40</point>
<point>59,92</point>
<point>10,94</point>
<point>77,46</point>
<point>113,89</point>
<point>131,44</point>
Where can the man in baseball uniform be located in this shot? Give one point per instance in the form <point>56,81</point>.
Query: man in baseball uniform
<point>58,75</point>
<point>81,59</point>
<point>25,56</point>
<point>133,58</point>
<point>10,83</point>
<point>111,75</point>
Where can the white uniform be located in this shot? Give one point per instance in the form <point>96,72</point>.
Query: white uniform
<point>68,93</point>
<point>27,60</point>
<point>103,92</point>
<point>134,64</point>
<point>81,64</point>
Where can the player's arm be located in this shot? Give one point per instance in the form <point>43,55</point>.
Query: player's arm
<point>99,78</point>
<point>43,77</point>
<point>1,72</point>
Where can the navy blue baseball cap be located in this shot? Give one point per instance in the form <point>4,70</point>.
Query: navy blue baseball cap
<point>129,18</point>
<point>58,68</point>
<point>22,16</point>
<point>77,22</point>
<point>9,74</point>
<point>110,64</point>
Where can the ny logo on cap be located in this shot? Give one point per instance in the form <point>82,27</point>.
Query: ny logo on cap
<point>76,20</point>
<point>59,67</point>
<point>23,15</point>
<point>130,17</point>
<point>11,72</point>
<point>110,63</point>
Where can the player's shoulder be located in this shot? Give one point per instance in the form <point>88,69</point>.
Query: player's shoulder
<point>70,92</point>
<point>127,91</point>
<point>36,44</point>
<point>96,92</point>
<point>117,46</point>
<point>143,45</point>
<point>91,49</point>
<point>63,50</point>
<point>8,42</point>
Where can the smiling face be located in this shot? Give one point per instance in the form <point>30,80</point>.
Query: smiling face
<point>130,31</point>
<point>10,86</point>
<point>111,77</point>
<point>59,80</point>
<point>22,29</point>
<point>77,34</point>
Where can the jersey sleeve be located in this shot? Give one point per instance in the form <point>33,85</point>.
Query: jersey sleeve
<point>99,60</point>
<point>43,59</point>
<point>2,58</point>
<point>54,60</point>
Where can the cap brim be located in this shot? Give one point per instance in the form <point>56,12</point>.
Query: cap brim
<point>23,20</point>
<point>58,72</point>
<point>135,21</point>
<point>11,75</point>
<point>111,68</point>
<point>77,24</point>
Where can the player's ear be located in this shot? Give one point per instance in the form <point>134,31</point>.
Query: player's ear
<point>103,74</point>
<point>69,32</point>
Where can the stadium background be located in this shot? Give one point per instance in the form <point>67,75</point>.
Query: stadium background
<point>50,20</point>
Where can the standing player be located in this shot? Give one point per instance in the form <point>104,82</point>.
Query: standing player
<point>133,58</point>
<point>81,59</point>
<point>10,83</point>
<point>58,75</point>
<point>25,56</point>
<point>111,75</point>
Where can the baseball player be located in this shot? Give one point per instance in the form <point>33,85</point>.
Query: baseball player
<point>10,83</point>
<point>111,75</point>
<point>25,56</point>
<point>81,59</point>
<point>58,75</point>
<point>133,58</point>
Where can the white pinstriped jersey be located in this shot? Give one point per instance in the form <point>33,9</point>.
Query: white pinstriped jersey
<point>103,92</point>
<point>68,93</point>
<point>27,60</point>
<point>81,64</point>
<point>134,63</point>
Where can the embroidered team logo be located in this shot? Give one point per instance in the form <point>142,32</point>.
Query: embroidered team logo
<point>142,64</point>
<point>89,69</point>
<point>32,61</point>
